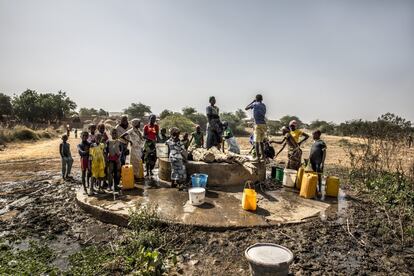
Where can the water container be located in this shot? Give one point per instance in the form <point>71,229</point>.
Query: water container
<point>162,150</point>
<point>308,187</point>
<point>290,178</point>
<point>140,170</point>
<point>279,174</point>
<point>127,176</point>
<point>268,259</point>
<point>299,177</point>
<point>197,195</point>
<point>199,180</point>
<point>332,186</point>
<point>249,199</point>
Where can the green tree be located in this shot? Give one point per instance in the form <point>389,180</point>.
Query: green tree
<point>323,126</point>
<point>197,118</point>
<point>287,118</point>
<point>274,126</point>
<point>241,114</point>
<point>165,113</point>
<point>6,108</point>
<point>103,113</point>
<point>86,112</point>
<point>177,120</point>
<point>138,110</point>
<point>234,122</point>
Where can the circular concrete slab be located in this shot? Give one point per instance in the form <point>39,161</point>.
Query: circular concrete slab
<point>222,209</point>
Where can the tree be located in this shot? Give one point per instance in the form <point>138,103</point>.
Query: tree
<point>179,121</point>
<point>274,127</point>
<point>103,113</point>
<point>6,107</point>
<point>287,118</point>
<point>87,112</point>
<point>241,114</point>
<point>234,122</point>
<point>197,118</point>
<point>138,110</point>
<point>323,126</point>
<point>33,107</point>
<point>165,113</point>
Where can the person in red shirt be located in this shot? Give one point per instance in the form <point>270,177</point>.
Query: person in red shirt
<point>151,131</point>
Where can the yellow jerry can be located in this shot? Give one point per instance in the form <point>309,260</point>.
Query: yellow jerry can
<point>249,198</point>
<point>308,187</point>
<point>332,186</point>
<point>127,176</point>
<point>299,177</point>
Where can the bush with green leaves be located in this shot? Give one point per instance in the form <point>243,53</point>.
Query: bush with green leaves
<point>179,121</point>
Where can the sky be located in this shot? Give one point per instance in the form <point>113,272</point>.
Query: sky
<point>330,60</point>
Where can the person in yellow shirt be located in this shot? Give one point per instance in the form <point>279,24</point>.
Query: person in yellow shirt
<point>297,133</point>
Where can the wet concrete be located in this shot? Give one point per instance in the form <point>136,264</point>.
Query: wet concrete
<point>222,208</point>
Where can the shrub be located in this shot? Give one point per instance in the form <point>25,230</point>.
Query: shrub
<point>21,133</point>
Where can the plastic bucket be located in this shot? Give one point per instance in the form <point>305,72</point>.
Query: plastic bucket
<point>268,259</point>
<point>199,180</point>
<point>162,150</point>
<point>197,195</point>
<point>289,179</point>
<point>279,174</point>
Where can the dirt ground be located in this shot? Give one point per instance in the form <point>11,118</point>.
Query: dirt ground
<point>36,204</point>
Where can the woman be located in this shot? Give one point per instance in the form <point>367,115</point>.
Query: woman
<point>214,126</point>
<point>135,138</point>
<point>294,151</point>
<point>151,131</point>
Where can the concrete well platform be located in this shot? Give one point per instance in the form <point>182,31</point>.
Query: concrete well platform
<point>222,209</point>
<point>219,174</point>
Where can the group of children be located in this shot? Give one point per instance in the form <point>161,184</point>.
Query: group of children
<point>99,159</point>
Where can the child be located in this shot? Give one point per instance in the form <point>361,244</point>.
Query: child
<point>92,135</point>
<point>162,138</point>
<point>76,133</point>
<point>198,137</point>
<point>101,130</point>
<point>185,141</point>
<point>83,149</point>
<point>230,139</point>
<point>317,156</point>
<point>177,155</point>
<point>113,149</point>
<point>260,127</point>
<point>67,161</point>
<point>97,159</point>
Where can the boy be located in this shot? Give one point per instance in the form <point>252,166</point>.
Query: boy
<point>185,141</point>
<point>317,156</point>
<point>67,161</point>
<point>113,149</point>
<point>177,155</point>
<point>230,139</point>
<point>198,137</point>
<point>260,128</point>
<point>83,149</point>
<point>162,138</point>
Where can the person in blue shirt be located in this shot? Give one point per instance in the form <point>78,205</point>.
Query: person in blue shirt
<point>260,128</point>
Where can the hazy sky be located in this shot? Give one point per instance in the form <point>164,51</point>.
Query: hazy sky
<point>332,60</point>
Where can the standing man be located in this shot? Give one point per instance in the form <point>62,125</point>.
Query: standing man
<point>260,128</point>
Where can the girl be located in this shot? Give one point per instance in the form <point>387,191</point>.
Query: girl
<point>151,131</point>
<point>177,155</point>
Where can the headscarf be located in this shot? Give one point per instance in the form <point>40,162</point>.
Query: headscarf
<point>293,123</point>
